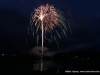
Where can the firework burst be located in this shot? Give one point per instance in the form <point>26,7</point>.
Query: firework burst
<point>47,18</point>
<point>50,17</point>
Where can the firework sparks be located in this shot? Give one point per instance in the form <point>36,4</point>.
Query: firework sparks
<point>47,18</point>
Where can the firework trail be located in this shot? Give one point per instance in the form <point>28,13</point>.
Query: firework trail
<point>48,19</point>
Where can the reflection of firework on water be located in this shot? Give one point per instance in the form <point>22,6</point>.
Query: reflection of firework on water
<point>52,21</point>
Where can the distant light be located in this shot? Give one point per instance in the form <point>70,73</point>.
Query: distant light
<point>82,58</point>
<point>2,54</point>
<point>88,58</point>
<point>76,56</point>
<point>9,54</point>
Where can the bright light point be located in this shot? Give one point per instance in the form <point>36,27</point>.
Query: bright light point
<point>2,54</point>
<point>41,17</point>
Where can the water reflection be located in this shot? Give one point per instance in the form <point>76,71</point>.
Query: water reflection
<point>49,65</point>
<point>43,65</point>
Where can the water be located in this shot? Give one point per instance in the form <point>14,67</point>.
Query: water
<point>56,66</point>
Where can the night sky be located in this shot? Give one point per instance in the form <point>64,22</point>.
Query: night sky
<point>83,16</point>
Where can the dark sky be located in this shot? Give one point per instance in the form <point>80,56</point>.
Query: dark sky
<point>83,16</point>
